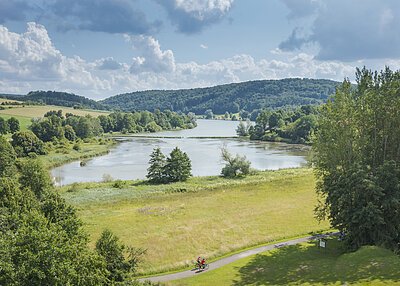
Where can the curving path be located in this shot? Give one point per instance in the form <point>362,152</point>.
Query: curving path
<point>232,258</point>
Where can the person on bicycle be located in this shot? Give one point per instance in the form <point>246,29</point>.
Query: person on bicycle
<point>203,262</point>
<point>199,261</point>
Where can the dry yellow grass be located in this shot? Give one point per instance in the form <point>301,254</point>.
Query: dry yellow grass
<point>40,110</point>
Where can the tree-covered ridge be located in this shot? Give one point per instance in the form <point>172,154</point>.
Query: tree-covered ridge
<point>233,97</point>
<point>58,98</point>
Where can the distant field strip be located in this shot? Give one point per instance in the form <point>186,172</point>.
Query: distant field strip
<point>40,110</point>
<point>208,216</point>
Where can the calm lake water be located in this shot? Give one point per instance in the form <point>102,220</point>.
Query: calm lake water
<point>129,159</point>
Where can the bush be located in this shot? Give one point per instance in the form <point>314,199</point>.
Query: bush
<point>235,166</point>
<point>107,178</point>
<point>77,147</point>
<point>73,188</point>
<point>119,184</point>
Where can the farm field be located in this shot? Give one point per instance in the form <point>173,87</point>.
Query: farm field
<point>32,111</point>
<point>24,121</point>
<point>306,264</point>
<point>209,216</point>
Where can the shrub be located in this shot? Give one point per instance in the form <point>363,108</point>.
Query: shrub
<point>119,184</point>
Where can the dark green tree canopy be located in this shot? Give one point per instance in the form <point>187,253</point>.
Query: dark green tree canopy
<point>155,172</point>
<point>25,142</point>
<point>13,124</point>
<point>178,166</point>
<point>357,159</point>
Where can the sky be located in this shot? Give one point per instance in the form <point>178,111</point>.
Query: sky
<point>100,48</point>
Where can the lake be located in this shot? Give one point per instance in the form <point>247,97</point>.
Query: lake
<point>129,159</point>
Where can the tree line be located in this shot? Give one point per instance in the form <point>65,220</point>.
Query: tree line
<point>232,98</point>
<point>55,127</point>
<point>293,125</point>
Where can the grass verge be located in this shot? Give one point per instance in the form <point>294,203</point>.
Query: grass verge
<point>209,216</point>
<point>306,264</point>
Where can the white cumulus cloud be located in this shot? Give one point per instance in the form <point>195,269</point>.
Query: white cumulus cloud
<point>151,58</point>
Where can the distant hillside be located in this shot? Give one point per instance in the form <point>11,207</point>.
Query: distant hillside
<point>58,98</point>
<point>233,97</point>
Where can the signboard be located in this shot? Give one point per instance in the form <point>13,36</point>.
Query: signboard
<point>322,243</point>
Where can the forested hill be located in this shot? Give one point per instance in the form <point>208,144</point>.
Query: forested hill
<point>59,98</point>
<point>233,97</point>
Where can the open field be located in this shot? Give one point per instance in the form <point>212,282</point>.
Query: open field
<point>8,100</point>
<point>208,216</point>
<point>40,110</point>
<point>24,121</point>
<point>306,264</point>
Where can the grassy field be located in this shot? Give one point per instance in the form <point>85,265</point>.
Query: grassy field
<point>24,121</point>
<point>306,264</point>
<point>39,110</point>
<point>8,100</point>
<point>208,216</point>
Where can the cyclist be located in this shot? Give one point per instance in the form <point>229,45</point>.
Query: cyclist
<point>203,263</point>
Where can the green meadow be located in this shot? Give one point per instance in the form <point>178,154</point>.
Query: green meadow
<point>306,264</point>
<point>209,216</point>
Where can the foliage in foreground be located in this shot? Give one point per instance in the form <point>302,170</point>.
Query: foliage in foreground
<point>358,159</point>
<point>41,238</point>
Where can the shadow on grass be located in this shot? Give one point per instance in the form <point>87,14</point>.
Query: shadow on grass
<point>309,264</point>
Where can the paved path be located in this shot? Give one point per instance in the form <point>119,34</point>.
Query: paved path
<point>232,258</point>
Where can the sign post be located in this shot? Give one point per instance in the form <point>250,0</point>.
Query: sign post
<point>322,243</point>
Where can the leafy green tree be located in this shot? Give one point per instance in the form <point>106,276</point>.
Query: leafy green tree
<point>113,252</point>
<point>87,127</point>
<point>107,123</point>
<point>48,128</point>
<point>357,159</point>
<point>234,166</point>
<point>7,159</point>
<point>275,120</point>
<point>243,129</point>
<point>4,129</point>
<point>41,240</point>
<point>155,172</point>
<point>301,130</point>
<point>178,166</point>
<point>152,127</point>
<point>261,125</point>
<point>69,133</point>
<point>13,124</point>
<point>25,142</point>
<point>35,177</point>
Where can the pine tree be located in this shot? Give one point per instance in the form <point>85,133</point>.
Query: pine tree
<point>178,166</point>
<point>155,172</point>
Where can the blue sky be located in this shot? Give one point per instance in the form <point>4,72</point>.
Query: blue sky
<point>99,48</point>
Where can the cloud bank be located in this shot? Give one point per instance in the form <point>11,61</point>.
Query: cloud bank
<point>347,30</point>
<point>192,16</point>
<point>30,61</point>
